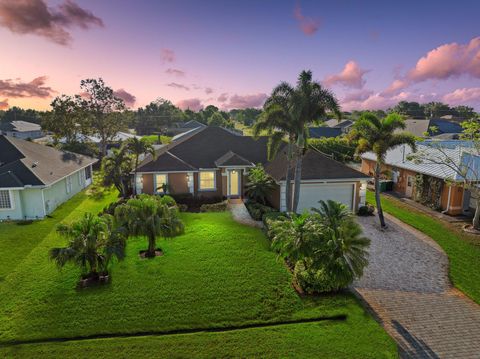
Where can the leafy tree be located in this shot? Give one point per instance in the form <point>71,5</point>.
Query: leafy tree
<point>103,111</point>
<point>64,119</point>
<point>379,136</point>
<point>148,216</point>
<point>409,109</point>
<point>340,148</point>
<point>19,114</point>
<point>157,116</point>
<point>437,109</point>
<point>259,185</point>
<point>465,112</point>
<point>298,106</point>
<point>116,170</point>
<point>216,119</point>
<point>93,242</point>
<point>138,147</point>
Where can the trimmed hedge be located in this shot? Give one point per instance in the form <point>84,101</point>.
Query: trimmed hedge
<point>214,207</point>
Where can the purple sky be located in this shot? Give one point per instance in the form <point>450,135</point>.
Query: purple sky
<point>231,54</point>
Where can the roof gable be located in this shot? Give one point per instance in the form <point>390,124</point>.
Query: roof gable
<point>232,159</point>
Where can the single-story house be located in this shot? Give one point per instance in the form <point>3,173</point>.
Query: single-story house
<point>433,182</point>
<point>432,127</point>
<point>21,129</point>
<point>214,162</point>
<point>35,179</point>
<point>324,132</point>
<point>344,125</point>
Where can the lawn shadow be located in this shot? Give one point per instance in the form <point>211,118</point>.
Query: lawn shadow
<point>418,348</point>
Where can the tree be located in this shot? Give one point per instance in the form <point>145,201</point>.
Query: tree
<point>340,148</point>
<point>299,106</point>
<point>19,114</point>
<point>103,111</point>
<point>93,242</point>
<point>259,185</point>
<point>150,217</point>
<point>116,170</point>
<point>465,112</point>
<point>157,116</point>
<point>138,147</point>
<point>216,119</point>
<point>379,136</point>
<point>437,109</point>
<point>406,108</point>
<point>64,119</point>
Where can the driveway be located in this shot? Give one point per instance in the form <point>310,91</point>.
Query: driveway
<point>407,287</point>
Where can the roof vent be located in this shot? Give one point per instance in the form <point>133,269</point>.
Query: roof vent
<point>34,164</point>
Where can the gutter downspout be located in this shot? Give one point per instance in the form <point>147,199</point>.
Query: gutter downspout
<point>448,200</point>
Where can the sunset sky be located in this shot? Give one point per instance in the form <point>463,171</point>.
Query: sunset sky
<point>231,53</point>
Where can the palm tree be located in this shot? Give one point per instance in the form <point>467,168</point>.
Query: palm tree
<point>332,213</point>
<point>117,169</point>
<point>148,216</point>
<point>287,113</point>
<point>378,136</point>
<point>93,242</point>
<point>138,147</point>
<point>259,185</point>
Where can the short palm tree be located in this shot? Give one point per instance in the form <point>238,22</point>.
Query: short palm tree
<point>332,213</point>
<point>148,216</point>
<point>260,185</point>
<point>138,147</point>
<point>93,242</point>
<point>117,169</point>
<point>287,113</point>
<point>378,136</point>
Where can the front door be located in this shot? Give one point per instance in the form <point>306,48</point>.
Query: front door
<point>409,189</point>
<point>234,183</point>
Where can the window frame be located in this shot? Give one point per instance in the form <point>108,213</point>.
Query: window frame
<point>155,189</point>
<point>68,184</point>
<point>10,199</point>
<point>209,189</point>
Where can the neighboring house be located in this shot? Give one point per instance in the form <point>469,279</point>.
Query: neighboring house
<point>451,198</point>
<point>35,179</point>
<point>433,127</point>
<point>21,129</point>
<point>116,141</point>
<point>214,162</point>
<point>324,132</point>
<point>344,125</point>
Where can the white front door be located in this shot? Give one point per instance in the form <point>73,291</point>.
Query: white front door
<point>234,183</point>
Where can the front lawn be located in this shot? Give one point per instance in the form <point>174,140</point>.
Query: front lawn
<point>219,274</point>
<point>463,250</point>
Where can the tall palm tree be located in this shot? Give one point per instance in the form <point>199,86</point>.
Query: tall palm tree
<point>138,147</point>
<point>117,169</point>
<point>287,113</point>
<point>93,242</point>
<point>148,216</point>
<point>378,136</point>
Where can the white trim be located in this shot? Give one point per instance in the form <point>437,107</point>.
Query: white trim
<point>354,202</point>
<point>71,173</point>
<point>161,172</point>
<point>214,181</point>
<point>229,173</point>
<point>236,166</point>
<point>43,201</point>
<point>331,180</point>
<point>155,184</point>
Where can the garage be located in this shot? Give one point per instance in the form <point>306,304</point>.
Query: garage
<point>312,193</point>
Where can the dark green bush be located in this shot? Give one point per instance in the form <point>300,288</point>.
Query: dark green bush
<point>168,200</point>
<point>258,210</point>
<point>366,210</point>
<point>315,281</point>
<point>214,207</point>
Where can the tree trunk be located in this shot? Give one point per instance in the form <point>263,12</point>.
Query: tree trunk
<point>288,179</point>
<point>135,175</point>
<point>377,194</point>
<point>151,246</point>
<point>476,217</point>
<point>298,177</point>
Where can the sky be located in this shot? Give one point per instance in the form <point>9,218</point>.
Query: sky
<point>370,54</point>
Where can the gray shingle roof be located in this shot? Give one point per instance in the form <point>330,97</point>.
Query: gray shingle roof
<point>327,132</point>
<point>232,159</point>
<point>34,164</point>
<point>20,126</point>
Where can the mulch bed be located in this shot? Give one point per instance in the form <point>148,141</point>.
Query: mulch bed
<point>143,254</point>
<point>469,229</point>
<point>93,280</point>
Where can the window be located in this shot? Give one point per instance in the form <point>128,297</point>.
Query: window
<point>88,172</point>
<point>5,200</point>
<point>160,183</point>
<point>207,180</point>
<point>68,184</point>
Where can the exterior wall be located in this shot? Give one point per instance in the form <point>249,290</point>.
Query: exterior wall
<point>16,212</point>
<point>32,203</point>
<point>218,192</point>
<point>57,194</point>
<point>177,183</point>
<point>147,183</point>
<point>24,135</point>
<point>455,207</point>
<point>368,168</point>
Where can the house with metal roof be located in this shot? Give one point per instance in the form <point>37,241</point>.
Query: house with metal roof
<point>433,127</point>
<point>432,174</point>
<point>21,129</point>
<point>35,179</point>
<point>214,162</point>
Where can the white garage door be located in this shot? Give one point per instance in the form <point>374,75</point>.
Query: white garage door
<point>311,193</point>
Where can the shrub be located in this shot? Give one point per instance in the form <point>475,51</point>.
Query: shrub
<point>194,203</point>
<point>366,210</point>
<point>168,201</point>
<point>260,185</point>
<point>182,207</point>
<point>110,209</point>
<point>214,207</point>
<point>258,210</point>
<point>314,281</point>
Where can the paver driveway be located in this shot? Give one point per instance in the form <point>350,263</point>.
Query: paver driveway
<point>406,284</point>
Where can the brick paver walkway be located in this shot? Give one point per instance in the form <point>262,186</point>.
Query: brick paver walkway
<point>406,285</point>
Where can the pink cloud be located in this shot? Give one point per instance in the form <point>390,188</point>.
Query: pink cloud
<point>34,88</point>
<point>208,90</point>
<point>178,86</point>
<point>223,97</point>
<point>356,96</point>
<point>35,17</point>
<point>127,97</point>
<point>464,96</point>
<point>245,101</point>
<point>350,76</point>
<point>193,104</point>
<point>175,72</point>
<point>308,25</point>
<point>446,61</point>
<point>4,104</point>
<point>167,55</point>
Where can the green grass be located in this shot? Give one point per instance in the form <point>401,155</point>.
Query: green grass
<point>218,274</point>
<point>154,139</point>
<point>463,250</point>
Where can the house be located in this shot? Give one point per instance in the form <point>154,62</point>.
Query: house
<point>432,127</point>
<point>214,162</point>
<point>35,179</point>
<point>21,129</point>
<point>435,183</point>
<point>344,125</point>
<point>324,132</point>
